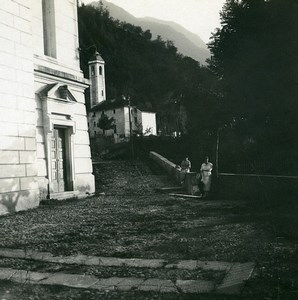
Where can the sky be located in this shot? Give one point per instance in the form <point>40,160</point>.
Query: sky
<point>198,16</point>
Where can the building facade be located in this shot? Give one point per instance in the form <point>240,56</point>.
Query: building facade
<point>128,119</point>
<point>44,148</point>
<point>142,123</point>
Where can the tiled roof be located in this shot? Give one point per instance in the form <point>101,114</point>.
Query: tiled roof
<point>110,104</point>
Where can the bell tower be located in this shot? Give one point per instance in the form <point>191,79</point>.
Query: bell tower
<point>97,78</point>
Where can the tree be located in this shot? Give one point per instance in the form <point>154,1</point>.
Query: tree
<point>254,56</point>
<point>106,123</point>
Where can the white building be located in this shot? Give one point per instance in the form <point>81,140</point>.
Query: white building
<point>141,122</point>
<point>44,148</point>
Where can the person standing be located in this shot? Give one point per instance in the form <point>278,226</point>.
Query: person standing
<point>185,167</point>
<point>206,169</point>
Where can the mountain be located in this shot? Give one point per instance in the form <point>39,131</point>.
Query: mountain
<point>187,43</point>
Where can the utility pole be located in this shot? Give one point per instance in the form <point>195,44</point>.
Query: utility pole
<point>217,151</point>
<point>130,128</point>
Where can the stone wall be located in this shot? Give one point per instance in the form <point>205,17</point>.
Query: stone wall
<point>256,188</point>
<point>18,169</point>
<point>262,188</point>
<point>189,179</point>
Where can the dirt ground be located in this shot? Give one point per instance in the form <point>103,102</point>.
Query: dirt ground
<point>129,217</point>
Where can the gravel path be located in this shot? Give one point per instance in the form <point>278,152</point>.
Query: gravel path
<point>129,218</point>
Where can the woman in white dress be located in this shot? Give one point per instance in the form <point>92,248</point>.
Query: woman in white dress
<point>206,170</point>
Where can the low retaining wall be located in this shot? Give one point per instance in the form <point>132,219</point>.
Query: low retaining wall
<point>236,186</point>
<point>257,188</point>
<point>189,182</point>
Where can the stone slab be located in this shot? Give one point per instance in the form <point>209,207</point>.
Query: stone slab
<point>73,260</point>
<point>144,263</point>
<point>23,276</point>
<point>195,286</point>
<point>71,280</point>
<point>235,279</point>
<point>185,196</point>
<point>170,188</point>
<point>157,285</point>
<point>197,264</point>
<point>183,264</point>
<point>6,273</point>
<point>214,265</point>
<point>35,277</point>
<point>111,261</point>
<point>107,284</point>
<point>13,253</point>
<point>129,283</point>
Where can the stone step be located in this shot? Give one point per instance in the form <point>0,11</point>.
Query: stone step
<point>235,278</point>
<point>170,188</point>
<point>185,196</point>
<point>64,195</point>
<point>106,284</point>
<point>236,274</point>
<point>89,260</point>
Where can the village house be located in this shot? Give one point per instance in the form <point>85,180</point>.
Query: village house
<point>44,140</point>
<point>138,122</point>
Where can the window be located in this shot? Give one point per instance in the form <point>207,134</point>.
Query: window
<point>94,124</point>
<point>100,70</point>
<point>92,71</point>
<point>115,129</point>
<point>49,28</point>
<point>102,92</point>
<point>94,132</point>
<point>114,111</point>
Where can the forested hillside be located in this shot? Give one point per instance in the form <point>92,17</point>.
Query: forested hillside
<point>150,71</point>
<point>245,103</point>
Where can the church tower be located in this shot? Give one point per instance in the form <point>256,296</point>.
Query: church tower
<point>97,78</point>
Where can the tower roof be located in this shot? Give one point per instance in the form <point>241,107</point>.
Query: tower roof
<point>96,56</point>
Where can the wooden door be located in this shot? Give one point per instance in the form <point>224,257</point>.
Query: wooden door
<point>58,154</point>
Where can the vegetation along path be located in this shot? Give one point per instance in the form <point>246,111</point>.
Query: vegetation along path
<point>129,237</point>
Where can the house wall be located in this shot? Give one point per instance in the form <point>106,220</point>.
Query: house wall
<point>118,115</point>
<point>148,123</point>
<point>64,69</point>
<point>121,116</point>
<point>24,69</point>
<point>67,44</point>
<point>18,169</point>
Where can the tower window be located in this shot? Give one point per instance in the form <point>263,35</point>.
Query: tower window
<point>49,28</point>
<point>115,129</point>
<point>94,124</point>
<point>102,92</point>
<point>92,70</point>
<point>114,111</point>
<point>100,70</point>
